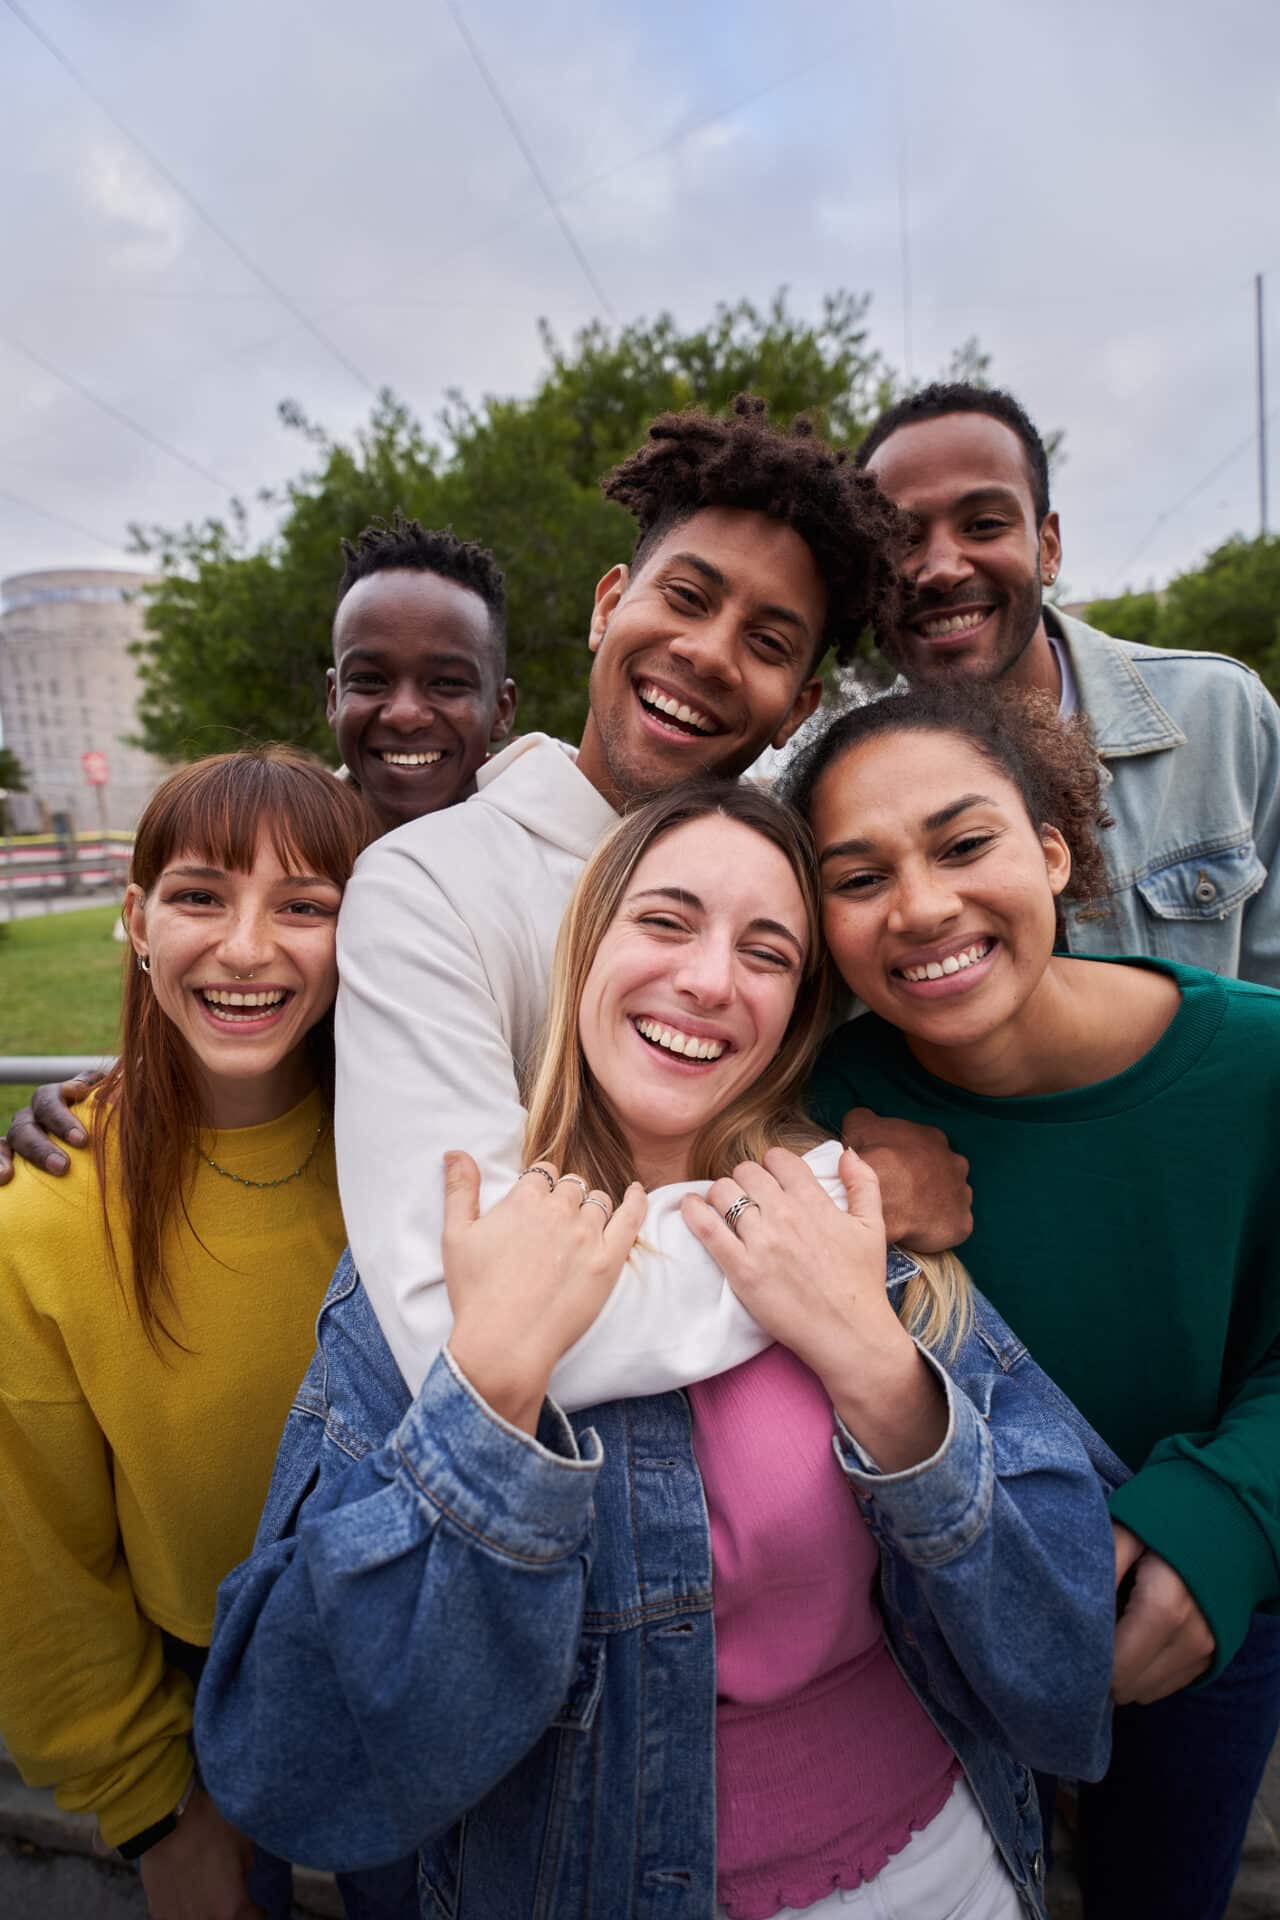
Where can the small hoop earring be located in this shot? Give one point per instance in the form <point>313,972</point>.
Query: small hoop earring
<point>144,963</point>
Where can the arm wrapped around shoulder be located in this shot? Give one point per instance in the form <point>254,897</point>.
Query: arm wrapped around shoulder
<point>379,1667</point>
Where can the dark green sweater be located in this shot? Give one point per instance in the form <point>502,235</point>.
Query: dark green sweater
<point>1129,1232</point>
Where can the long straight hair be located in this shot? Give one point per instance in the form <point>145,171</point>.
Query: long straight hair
<point>571,1123</point>
<point>148,1114</point>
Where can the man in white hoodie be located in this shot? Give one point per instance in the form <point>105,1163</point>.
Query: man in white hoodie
<point>757,550</point>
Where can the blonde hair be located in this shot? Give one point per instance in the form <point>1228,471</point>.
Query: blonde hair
<point>571,1124</point>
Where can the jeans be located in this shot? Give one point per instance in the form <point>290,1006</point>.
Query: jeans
<point>1160,1837</point>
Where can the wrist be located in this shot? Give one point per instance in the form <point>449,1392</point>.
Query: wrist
<point>895,1408</point>
<point>507,1385</point>
<point>140,1843</point>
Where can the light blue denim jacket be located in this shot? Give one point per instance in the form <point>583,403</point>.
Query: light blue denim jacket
<point>499,1650</point>
<point>1191,745</point>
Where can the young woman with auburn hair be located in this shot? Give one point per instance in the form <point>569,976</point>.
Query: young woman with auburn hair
<point>157,1307</point>
<point>786,1642</point>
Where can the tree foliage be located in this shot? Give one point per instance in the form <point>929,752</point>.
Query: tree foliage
<point>13,779</point>
<point>1228,604</point>
<point>238,635</point>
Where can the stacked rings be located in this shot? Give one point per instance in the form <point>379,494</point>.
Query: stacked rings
<point>739,1207</point>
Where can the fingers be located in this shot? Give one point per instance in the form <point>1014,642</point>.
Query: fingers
<point>857,1126</point>
<point>706,1224</point>
<point>461,1191</point>
<point>6,1164</point>
<point>51,1108</point>
<point>622,1227</point>
<point>862,1189</point>
<point>30,1142</point>
<point>1128,1549</point>
<point>1163,1641</point>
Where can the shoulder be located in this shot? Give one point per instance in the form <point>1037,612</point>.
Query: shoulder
<point>51,1232</point>
<point>1191,669</point>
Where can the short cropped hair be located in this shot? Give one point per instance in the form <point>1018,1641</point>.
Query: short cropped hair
<point>959,396</point>
<point>696,459</point>
<point>402,543</point>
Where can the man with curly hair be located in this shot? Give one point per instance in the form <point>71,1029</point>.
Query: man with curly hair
<point>757,550</point>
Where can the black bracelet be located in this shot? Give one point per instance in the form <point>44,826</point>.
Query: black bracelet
<point>153,1835</point>
<point>149,1837</point>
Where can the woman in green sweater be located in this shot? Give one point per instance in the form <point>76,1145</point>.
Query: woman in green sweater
<point>1122,1124</point>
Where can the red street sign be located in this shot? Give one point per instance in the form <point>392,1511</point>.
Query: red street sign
<point>95,768</point>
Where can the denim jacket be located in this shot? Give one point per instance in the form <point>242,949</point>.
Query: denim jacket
<point>499,1650</point>
<point>1190,743</point>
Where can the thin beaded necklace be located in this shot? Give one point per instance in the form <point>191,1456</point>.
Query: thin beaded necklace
<point>284,1179</point>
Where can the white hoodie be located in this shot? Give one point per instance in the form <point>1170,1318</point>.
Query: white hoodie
<point>445,945</point>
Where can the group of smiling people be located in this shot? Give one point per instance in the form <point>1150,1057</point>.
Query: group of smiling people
<point>667,1522</point>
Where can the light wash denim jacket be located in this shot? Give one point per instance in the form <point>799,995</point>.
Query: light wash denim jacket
<point>499,1650</point>
<point>1191,745</point>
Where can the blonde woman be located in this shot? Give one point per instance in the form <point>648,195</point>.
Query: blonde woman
<point>770,1646</point>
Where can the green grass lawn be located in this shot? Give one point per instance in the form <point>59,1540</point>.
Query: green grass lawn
<point>59,988</point>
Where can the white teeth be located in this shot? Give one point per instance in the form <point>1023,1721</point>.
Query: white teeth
<point>220,997</point>
<point>676,1042</point>
<point>411,759</point>
<point>953,623</point>
<point>954,963</point>
<point>690,716</point>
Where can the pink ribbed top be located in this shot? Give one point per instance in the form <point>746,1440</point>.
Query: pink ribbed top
<point>826,1764</point>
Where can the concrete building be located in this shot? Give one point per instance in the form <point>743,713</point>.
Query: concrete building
<point>68,687</point>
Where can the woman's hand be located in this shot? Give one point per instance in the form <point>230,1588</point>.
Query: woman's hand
<point>814,1277</point>
<point>527,1280</point>
<point>198,1872</point>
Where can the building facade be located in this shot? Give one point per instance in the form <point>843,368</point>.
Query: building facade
<point>68,686</point>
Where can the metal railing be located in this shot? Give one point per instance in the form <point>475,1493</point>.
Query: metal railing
<point>34,1069</point>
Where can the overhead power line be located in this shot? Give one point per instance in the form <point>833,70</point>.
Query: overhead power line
<point>115,413</point>
<point>185,194</point>
<point>1250,440</point>
<point>530,158</point>
<point>59,519</point>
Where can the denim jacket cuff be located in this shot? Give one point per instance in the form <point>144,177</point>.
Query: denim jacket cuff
<point>527,1497</point>
<point>937,1507</point>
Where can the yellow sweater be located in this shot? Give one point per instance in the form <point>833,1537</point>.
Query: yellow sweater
<point>131,1482</point>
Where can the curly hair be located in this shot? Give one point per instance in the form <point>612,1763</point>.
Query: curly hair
<point>1050,761</point>
<point>696,459</point>
<point>960,396</point>
<point>404,543</point>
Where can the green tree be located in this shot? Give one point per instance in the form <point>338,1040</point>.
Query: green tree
<point>13,779</point>
<point>1130,616</point>
<point>238,635</point>
<point>1229,604</point>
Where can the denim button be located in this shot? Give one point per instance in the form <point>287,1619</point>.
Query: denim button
<point>1205,889</point>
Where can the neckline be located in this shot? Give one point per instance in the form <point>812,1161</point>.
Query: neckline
<point>1193,1027</point>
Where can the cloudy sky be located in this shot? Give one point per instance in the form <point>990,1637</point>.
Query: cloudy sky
<point>208,208</point>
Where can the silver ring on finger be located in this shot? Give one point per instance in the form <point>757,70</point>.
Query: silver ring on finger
<point>574,1180</point>
<point>542,1174</point>
<point>734,1213</point>
<point>603,1202</point>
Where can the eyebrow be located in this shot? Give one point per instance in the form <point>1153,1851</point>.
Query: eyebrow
<point>768,609</point>
<point>930,824</point>
<point>986,496</point>
<point>683,898</point>
<point>221,873</point>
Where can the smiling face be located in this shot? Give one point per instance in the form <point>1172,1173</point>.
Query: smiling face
<point>977,561</point>
<point>243,964</point>
<point>705,655</point>
<point>692,988</point>
<point>416,692</point>
<point>938,892</point>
